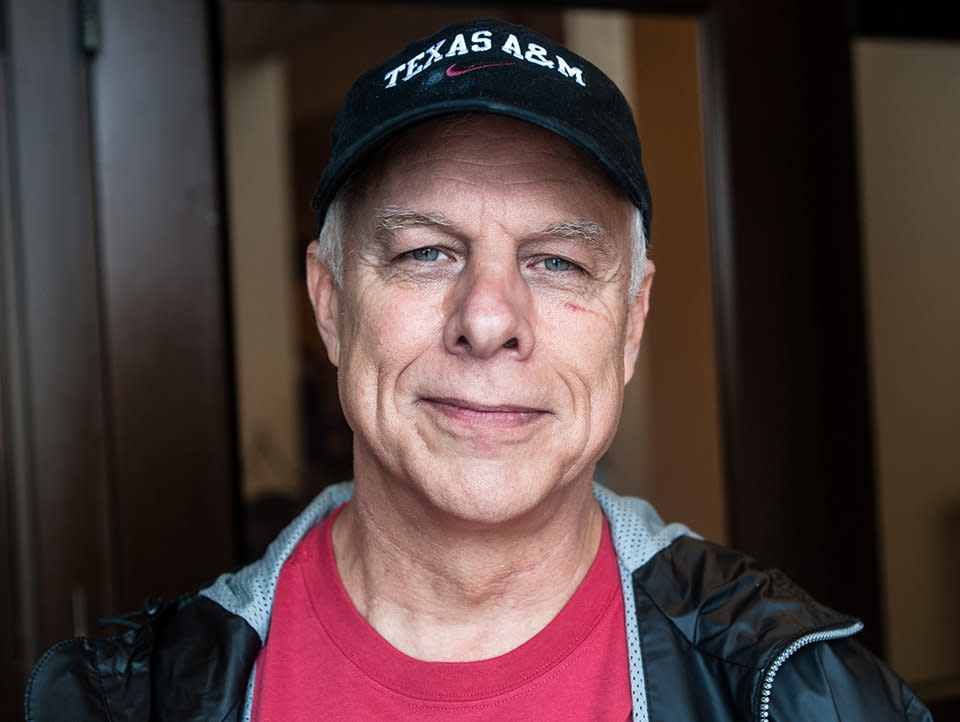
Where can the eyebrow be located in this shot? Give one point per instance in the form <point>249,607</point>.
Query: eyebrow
<point>394,218</point>
<point>584,231</point>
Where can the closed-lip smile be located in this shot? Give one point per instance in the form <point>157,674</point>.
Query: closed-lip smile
<point>482,414</point>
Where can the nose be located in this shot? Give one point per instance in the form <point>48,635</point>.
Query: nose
<point>491,314</point>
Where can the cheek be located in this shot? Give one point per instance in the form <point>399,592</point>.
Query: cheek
<point>587,348</point>
<point>575,308</point>
<point>385,332</point>
<point>588,337</point>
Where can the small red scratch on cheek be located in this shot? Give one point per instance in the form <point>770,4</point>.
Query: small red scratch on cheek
<point>578,309</point>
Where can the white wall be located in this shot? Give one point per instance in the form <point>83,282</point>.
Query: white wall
<point>908,101</point>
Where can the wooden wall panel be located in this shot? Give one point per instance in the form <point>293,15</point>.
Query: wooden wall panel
<point>9,647</point>
<point>117,468</point>
<point>790,297</point>
<point>681,357</point>
<point>165,295</point>
<point>58,461</point>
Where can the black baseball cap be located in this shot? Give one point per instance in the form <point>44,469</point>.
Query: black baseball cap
<point>488,66</point>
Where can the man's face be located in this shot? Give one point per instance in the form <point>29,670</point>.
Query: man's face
<point>483,333</point>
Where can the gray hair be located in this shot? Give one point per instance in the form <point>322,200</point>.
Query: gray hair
<point>329,248</point>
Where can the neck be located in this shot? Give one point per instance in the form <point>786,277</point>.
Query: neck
<point>441,590</point>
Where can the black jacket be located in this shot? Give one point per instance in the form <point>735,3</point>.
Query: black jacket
<point>718,639</point>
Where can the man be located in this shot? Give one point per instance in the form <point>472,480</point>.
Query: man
<point>480,282</point>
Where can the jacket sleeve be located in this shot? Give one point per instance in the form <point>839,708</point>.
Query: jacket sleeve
<point>92,680</point>
<point>190,662</point>
<point>841,681</point>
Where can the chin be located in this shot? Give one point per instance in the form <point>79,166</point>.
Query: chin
<point>484,496</point>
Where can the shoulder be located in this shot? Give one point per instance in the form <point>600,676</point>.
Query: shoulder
<point>765,646</point>
<point>202,646</point>
<point>695,580</point>
<point>189,659</point>
<point>248,592</point>
<point>191,643</point>
<point>841,681</point>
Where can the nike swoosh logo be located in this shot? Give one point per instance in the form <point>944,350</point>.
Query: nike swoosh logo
<point>453,71</point>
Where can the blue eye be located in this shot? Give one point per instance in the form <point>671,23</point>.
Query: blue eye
<point>425,254</point>
<point>557,264</point>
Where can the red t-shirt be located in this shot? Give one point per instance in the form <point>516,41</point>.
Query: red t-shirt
<point>322,660</point>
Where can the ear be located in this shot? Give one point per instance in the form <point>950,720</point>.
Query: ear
<point>325,299</point>
<point>636,318</point>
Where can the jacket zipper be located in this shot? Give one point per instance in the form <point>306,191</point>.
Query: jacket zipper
<point>796,645</point>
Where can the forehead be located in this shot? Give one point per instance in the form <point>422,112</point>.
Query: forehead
<point>463,154</point>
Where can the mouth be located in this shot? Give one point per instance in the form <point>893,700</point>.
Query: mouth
<point>472,413</point>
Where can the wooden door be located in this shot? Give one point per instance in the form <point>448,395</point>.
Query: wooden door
<point>117,443</point>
